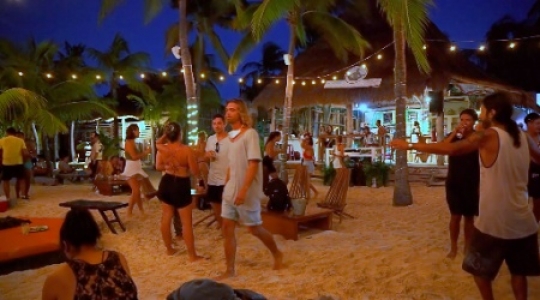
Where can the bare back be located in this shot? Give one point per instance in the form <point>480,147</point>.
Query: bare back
<point>177,159</point>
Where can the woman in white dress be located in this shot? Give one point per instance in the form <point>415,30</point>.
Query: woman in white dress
<point>133,171</point>
<point>339,153</point>
<point>415,134</point>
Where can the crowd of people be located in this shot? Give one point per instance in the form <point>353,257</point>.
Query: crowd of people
<point>493,170</point>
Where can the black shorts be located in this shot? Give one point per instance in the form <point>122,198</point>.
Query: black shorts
<point>214,193</point>
<point>462,201</point>
<point>94,166</point>
<point>175,191</point>
<point>268,163</point>
<point>15,171</point>
<point>486,254</point>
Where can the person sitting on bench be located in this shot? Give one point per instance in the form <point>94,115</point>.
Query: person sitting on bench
<point>88,271</point>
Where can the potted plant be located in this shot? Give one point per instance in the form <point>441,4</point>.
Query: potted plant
<point>377,174</point>
<point>328,174</point>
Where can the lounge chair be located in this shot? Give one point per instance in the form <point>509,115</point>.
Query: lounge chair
<point>336,198</point>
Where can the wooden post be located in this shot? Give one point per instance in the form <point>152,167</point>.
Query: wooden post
<point>350,124</point>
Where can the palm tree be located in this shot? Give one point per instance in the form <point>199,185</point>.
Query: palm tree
<point>408,19</point>
<point>299,15</point>
<point>116,65</point>
<point>271,64</point>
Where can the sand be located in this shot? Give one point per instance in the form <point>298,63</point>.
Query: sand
<point>386,252</point>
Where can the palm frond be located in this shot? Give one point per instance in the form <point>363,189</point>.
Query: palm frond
<point>341,36</point>
<point>107,6</point>
<point>152,8</point>
<point>268,13</point>
<point>81,110</point>
<point>171,37</point>
<point>246,44</point>
<point>216,43</point>
<point>19,103</point>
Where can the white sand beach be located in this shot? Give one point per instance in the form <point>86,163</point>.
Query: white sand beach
<point>386,252</point>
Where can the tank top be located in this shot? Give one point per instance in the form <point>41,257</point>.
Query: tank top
<point>504,209</point>
<point>337,159</point>
<point>104,281</point>
<point>463,170</point>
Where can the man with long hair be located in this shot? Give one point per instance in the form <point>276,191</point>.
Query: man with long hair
<point>243,186</point>
<point>505,229</point>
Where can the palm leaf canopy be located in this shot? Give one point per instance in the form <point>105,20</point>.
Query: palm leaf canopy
<point>413,14</point>
<point>151,8</point>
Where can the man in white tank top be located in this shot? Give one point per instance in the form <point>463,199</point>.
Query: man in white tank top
<point>505,229</point>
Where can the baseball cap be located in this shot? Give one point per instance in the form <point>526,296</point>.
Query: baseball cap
<point>531,117</point>
<point>199,289</point>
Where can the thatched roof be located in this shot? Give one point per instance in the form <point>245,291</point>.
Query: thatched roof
<point>447,67</point>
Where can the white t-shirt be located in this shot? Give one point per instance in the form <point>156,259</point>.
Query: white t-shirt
<point>218,167</point>
<point>97,148</point>
<point>242,150</point>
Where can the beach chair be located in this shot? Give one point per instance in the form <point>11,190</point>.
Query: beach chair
<point>336,198</point>
<point>300,184</point>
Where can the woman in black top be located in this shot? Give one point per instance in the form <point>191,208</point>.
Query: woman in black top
<point>462,183</point>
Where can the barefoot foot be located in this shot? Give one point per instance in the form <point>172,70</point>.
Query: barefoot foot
<point>197,257</point>
<point>225,275</point>
<point>278,260</point>
<point>452,254</point>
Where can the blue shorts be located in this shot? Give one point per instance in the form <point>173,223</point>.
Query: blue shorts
<point>241,215</point>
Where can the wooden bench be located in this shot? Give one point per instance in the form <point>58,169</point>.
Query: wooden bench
<point>288,226</point>
<point>107,187</point>
<point>101,207</point>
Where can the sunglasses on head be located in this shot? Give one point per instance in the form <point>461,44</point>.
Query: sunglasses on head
<point>217,147</point>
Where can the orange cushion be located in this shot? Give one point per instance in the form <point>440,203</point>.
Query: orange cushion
<point>16,245</point>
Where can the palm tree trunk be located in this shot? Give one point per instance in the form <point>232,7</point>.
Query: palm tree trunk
<point>39,146</point>
<point>191,93</point>
<point>287,106</point>
<point>72,141</point>
<point>402,189</point>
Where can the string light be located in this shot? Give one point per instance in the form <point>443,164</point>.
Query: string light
<point>334,77</point>
<point>424,47</point>
<point>121,77</point>
<point>98,77</point>
<point>48,75</point>
<point>364,66</point>
<point>240,80</point>
<point>481,48</point>
<point>303,83</point>
<point>221,78</point>
<point>259,81</point>
<point>313,82</point>
<point>74,76</point>
<point>21,74</point>
<point>512,45</point>
<point>202,75</point>
<point>164,74</point>
<point>379,56</point>
<point>142,75</point>
<point>277,81</point>
<point>453,48</point>
<point>323,81</point>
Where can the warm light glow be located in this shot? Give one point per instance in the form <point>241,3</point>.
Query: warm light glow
<point>364,66</point>
<point>74,76</point>
<point>482,48</point>
<point>452,48</point>
<point>424,47</point>
<point>98,76</point>
<point>240,80</point>
<point>121,77</point>
<point>202,75</point>
<point>164,74</point>
<point>323,81</point>
<point>348,73</point>
<point>303,83</point>
<point>221,78</point>
<point>313,82</point>
<point>259,80</point>
<point>379,56</point>
<point>334,77</point>
<point>277,81</point>
<point>142,75</point>
<point>48,75</point>
<point>182,71</point>
<point>294,82</point>
<point>512,45</point>
<point>21,74</point>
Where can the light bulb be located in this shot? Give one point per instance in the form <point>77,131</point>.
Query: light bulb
<point>424,47</point>
<point>142,75</point>
<point>323,81</point>
<point>240,80</point>
<point>21,74</point>
<point>313,82</point>
<point>98,76</point>
<point>512,45</point>
<point>277,81</point>
<point>482,48</point>
<point>164,74</point>
<point>221,78</point>
<point>334,77</point>
<point>121,77</point>
<point>74,76</point>
<point>202,75</point>
<point>303,83</point>
<point>379,56</point>
<point>48,75</point>
<point>259,80</point>
<point>364,66</point>
<point>453,48</point>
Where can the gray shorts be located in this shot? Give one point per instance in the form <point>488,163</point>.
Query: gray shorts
<point>241,215</point>
<point>486,254</point>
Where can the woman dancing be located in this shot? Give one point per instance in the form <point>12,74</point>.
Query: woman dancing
<point>133,170</point>
<point>178,162</point>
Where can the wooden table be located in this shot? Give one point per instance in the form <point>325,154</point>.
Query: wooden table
<point>105,186</point>
<point>288,226</point>
<point>101,207</point>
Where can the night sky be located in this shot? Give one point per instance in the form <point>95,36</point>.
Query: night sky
<point>76,22</point>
